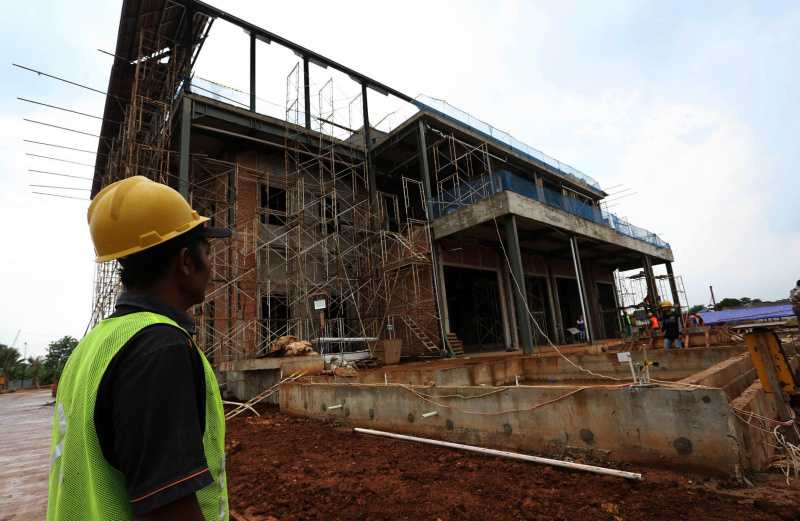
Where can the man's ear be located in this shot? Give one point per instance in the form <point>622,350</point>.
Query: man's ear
<point>185,262</point>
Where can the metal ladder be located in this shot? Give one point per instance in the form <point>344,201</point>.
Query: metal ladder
<point>420,334</point>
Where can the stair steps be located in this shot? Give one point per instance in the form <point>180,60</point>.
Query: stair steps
<point>456,345</point>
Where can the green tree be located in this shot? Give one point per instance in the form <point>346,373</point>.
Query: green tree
<point>35,369</point>
<point>57,354</point>
<point>728,303</point>
<point>697,309</point>
<point>9,360</point>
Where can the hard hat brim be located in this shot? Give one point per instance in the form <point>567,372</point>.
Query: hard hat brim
<point>217,233</point>
<point>138,249</point>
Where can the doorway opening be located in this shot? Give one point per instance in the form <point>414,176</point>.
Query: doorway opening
<point>473,303</point>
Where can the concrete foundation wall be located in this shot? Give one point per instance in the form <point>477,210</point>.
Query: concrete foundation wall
<point>690,429</point>
<point>758,446</point>
<point>672,365</point>
<point>244,385</point>
<point>666,365</point>
<point>249,377</point>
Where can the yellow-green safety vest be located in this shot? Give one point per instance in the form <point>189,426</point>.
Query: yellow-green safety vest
<point>83,485</point>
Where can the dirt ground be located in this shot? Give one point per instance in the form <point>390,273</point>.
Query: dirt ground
<point>287,468</point>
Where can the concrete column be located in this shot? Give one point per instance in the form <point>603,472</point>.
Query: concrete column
<point>441,299</point>
<point>185,158</point>
<point>676,299</point>
<point>551,302</point>
<point>503,309</point>
<point>593,301</point>
<point>512,310</point>
<point>511,240</point>
<point>558,321</point>
<point>582,294</point>
<point>539,188</point>
<point>618,304</point>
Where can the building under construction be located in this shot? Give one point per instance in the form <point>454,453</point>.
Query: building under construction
<point>442,231</point>
<point>364,219</point>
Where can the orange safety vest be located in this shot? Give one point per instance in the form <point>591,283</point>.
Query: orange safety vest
<point>654,322</point>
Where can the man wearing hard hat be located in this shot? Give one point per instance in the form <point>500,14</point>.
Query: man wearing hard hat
<point>138,428</point>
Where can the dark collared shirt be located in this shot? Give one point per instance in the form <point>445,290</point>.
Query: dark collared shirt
<point>150,409</point>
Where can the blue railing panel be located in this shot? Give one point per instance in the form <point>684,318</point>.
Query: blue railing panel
<point>472,191</point>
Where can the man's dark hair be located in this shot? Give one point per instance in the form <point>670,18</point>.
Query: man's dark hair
<point>798,282</point>
<point>143,270</point>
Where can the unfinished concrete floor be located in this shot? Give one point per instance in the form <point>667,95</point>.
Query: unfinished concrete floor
<point>24,455</point>
<point>289,468</point>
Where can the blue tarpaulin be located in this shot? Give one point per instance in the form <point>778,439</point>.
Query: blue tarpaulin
<point>775,311</point>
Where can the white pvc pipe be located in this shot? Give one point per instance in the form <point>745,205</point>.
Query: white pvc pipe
<point>506,454</point>
<point>337,339</point>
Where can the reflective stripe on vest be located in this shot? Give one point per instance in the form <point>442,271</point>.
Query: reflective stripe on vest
<point>83,484</point>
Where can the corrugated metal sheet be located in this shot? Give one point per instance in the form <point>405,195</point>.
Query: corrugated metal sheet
<point>726,316</point>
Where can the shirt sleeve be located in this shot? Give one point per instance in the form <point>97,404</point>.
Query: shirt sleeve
<point>157,418</point>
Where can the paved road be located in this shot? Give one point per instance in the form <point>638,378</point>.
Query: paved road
<point>24,455</point>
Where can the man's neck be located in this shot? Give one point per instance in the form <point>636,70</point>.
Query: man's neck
<point>166,294</point>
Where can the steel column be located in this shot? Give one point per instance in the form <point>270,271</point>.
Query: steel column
<point>576,259</point>
<point>307,92</point>
<point>436,268</point>
<point>373,189</point>
<point>253,72</point>
<point>676,299</point>
<point>185,158</point>
<point>426,175</point>
<point>652,289</point>
<point>518,284</point>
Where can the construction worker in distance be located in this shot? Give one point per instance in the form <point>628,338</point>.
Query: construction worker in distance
<point>138,428</point>
<point>654,329</point>
<point>794,299</point>
<point>671,325</point>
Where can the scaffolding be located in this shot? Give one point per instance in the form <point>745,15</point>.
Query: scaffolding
<point>632,290</point>
<point>306,227</point>
<point>141,145</point>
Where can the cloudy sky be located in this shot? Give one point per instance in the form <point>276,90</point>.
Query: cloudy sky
<point>692,107</point>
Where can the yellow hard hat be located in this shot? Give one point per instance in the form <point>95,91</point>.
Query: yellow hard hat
<point>666,304</point>
<point>135,214</point>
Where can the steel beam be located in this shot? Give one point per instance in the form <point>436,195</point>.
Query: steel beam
<point>518,283</point>
<point>312,56</point>
<point>252,72</point>
<point>582,293</point>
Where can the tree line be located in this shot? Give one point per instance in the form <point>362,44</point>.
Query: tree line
<point>727,303</point>
<point>42,370</point>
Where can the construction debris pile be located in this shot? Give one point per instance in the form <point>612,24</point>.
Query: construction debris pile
<point>289,345</point>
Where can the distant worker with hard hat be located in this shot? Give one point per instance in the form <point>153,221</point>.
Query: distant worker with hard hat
<point>670,324</point>
<point>138,428</point>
